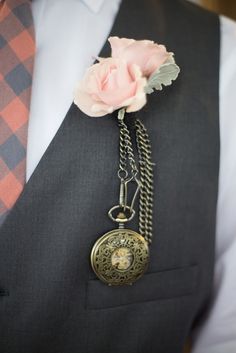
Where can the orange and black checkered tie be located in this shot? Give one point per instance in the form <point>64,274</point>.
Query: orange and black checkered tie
<point>17,50</point>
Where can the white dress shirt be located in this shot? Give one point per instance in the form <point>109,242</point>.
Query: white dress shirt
<point>66,46</point>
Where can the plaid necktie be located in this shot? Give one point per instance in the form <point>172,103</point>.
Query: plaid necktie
<point>17,49</point>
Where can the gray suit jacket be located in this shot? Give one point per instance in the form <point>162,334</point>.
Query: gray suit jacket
<point>51,301</point>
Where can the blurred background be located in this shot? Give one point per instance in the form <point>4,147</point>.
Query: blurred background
<point>225,7</point>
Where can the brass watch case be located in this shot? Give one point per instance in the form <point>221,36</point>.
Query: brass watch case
<point>120,257</point>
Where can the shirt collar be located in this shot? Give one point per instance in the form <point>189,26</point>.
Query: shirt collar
<point>94,5</point>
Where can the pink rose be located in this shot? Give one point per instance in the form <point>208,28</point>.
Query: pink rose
<point>148,55</point>
<point>109,85</point>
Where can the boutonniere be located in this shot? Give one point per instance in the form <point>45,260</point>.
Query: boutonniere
<point>135,69</point>
<point>122,82</point>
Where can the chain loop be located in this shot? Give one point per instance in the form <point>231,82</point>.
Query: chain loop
<point>127,166</point>
<point>126,151</point>
<point>147,183</point>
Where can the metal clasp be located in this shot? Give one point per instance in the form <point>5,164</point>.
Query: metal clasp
<point>122,215</point>
<point>125,213</point>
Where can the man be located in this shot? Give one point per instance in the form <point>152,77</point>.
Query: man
<point>51,301</point>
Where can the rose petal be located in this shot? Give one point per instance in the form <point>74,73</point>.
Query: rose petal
<point>109,85</point>
<point>148,55</point>
<point>118,45</point>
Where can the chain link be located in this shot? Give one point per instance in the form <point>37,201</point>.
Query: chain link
<point>147,181</point>
<point>127,160</point>
<point>126,152</point>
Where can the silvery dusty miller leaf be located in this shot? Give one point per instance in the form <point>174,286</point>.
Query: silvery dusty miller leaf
<point>167,73</point>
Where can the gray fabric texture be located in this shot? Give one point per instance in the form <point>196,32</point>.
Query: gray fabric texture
<point>50,299</point>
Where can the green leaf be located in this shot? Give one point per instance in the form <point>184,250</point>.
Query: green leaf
<point>164,76</point>
<point>121,114</point>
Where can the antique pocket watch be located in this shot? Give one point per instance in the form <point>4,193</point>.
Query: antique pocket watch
<point>121,256</point>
